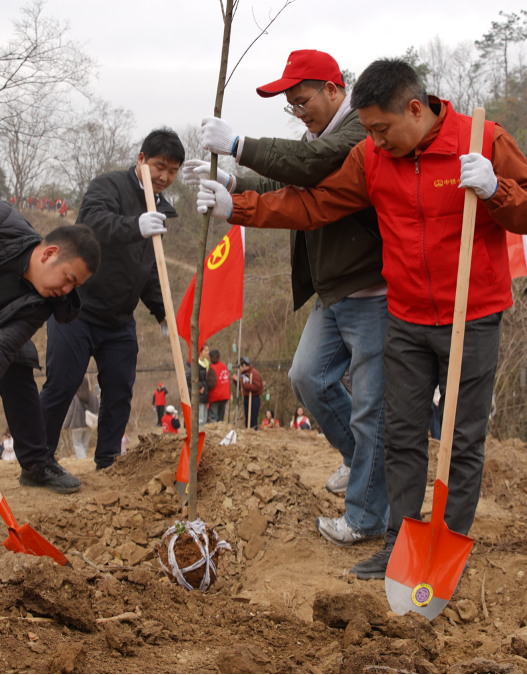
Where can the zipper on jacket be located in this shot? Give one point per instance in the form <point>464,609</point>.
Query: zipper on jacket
<point>427,273</point>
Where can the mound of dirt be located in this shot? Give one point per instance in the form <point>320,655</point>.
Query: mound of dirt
<point>284,600</point>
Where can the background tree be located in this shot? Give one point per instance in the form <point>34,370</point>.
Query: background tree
<point>496,45</point>
<point>95,142</point>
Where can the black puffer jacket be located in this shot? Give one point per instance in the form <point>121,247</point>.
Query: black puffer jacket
<point>20,319</point>
<point>128,273</point>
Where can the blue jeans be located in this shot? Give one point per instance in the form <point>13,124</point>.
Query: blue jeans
<point>350,334</point>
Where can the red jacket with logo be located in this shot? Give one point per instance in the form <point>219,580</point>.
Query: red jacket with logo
<point>420,211</point>
<point>222,390</point>
<point>419,216</point>
<point>170,424</point>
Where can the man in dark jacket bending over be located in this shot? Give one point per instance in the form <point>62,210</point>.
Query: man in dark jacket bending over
<point>38,279</point>
<point>114,207</point>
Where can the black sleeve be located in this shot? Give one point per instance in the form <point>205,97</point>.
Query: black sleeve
<point>176,424</point>
<point>67,308</point>
<point>16,332</point>
<point>101,210</point>
<point>152,297</point>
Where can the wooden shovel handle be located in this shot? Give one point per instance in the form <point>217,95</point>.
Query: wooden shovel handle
<point>460,308</point>
<point>165,290</point>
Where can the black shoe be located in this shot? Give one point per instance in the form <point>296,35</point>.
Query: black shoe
<point>50,477</point>
<point>56,464</point>
<point>374,567</point>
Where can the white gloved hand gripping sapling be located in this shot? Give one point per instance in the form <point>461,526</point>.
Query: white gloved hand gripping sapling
<point>217,136</point>
<point>195,169</point>
<point>213,195</point>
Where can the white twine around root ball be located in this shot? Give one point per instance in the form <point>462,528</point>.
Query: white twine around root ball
<point>196,529</point>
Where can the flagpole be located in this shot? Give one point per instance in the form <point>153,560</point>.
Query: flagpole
<point>238,375</point>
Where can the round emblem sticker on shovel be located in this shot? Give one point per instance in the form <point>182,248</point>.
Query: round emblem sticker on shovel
<point>422,594</point>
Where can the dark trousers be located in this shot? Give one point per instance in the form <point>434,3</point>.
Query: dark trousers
<point>23,412</point>
<point>415,361</point>
<point>217,411</point>
<point>160,412</point>
<point>69,349</point>
<point>255,409</point>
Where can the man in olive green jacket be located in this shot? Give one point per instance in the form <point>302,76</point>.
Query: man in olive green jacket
<point>342,263</point>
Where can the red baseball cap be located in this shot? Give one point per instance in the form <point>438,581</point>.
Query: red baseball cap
<point>305,64</point>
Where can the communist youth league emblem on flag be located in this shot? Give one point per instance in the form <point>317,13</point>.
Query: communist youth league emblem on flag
<point>222,296</point>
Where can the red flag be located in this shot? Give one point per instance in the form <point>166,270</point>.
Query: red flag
<point>517,243</point>
<point>222,297</point>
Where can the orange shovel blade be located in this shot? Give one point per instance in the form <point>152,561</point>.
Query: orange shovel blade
<point>34,544</point>
<point>427,562</point>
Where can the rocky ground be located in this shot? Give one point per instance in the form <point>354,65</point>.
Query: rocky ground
<point>284,600</point>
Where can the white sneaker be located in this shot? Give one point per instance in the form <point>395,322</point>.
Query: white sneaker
<point>337,531</point>
<point>338,481</point>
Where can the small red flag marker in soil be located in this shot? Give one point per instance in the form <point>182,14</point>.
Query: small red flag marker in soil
<point>428,559</point>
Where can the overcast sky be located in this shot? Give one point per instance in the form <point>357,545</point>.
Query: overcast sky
<point>160,59</point>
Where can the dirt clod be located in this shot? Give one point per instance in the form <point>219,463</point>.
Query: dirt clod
<point>69,658</point>
<point>413,626</point>
<point>243,658</point>
<point>480,665</point>
<point>254,525</point>
<point>356,631</point>
<point>47,589</point>
<point>337,610</point>
<point>254,546</point>
<point>519,646</point>
<point>467,609</point>
<point>120,638</point>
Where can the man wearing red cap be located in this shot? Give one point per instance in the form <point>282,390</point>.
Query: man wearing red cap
<point>341,263</point>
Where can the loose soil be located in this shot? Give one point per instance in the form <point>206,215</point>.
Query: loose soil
<point>284,600</point>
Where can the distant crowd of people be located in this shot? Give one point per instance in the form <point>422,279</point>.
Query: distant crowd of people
<point>215,392</point>
<point>43,204</point>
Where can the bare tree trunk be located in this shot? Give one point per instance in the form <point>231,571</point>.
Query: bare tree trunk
<point>202,247</point>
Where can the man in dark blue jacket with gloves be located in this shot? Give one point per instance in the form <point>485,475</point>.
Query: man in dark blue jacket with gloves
<point>38,279</point>
<point>114,207</point>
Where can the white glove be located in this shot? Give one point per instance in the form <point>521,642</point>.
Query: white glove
<point>163,327</point>
<point>215,196</point>
<point>217,136</point>
<point>195,169</point>
<point>477,173</point>
<point>152,223</point>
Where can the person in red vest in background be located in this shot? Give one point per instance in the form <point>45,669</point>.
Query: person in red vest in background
<point>158,401</point>
<point>219,383</point>
<point>13,200</point>
<point>170,422</point>
<point>63,209</point>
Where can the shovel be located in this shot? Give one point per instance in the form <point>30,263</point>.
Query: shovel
<point>182,474</point>
<point>25,539</point>
<point>428,559</point>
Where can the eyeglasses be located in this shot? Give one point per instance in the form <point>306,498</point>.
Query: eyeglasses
<point>301,109</point>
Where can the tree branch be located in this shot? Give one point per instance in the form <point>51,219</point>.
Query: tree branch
<point>222,10</point>
<point>263,32</point>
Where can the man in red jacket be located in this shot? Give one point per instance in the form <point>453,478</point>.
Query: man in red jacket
<point>159,401</point>
<point>170,422</point>
<point>219,387</point>
<point>410,169</point>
